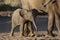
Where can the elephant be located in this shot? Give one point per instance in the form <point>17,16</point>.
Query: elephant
<point>31,4</point>
<point>53,7</point>
<point>57,16</point>
<point>35,13</point>
<point>19,17</point>
<point>28,31</point>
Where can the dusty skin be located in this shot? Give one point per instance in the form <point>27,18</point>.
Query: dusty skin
<point>51,10</point>
<point>18,18</point>
<point>53,7</point>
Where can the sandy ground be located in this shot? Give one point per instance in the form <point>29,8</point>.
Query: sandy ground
<point>6,36</point>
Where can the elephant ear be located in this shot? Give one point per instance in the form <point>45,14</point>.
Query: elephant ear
<point>21,13</point>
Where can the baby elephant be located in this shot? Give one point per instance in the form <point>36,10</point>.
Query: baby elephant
<point>19,17</point>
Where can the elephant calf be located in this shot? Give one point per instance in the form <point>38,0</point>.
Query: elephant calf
<point>19,17</point>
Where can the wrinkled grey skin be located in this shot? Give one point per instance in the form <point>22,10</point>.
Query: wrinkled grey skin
<point>53,7</point>
<point>19,16</point>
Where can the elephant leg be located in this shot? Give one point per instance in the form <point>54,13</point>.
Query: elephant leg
<point>25,29</point>
<point>30,29</point>
<point>34,23</point>
<point>57,18</point>
<point>13,28</point>
<point>51,18</point>
<point>21,29</point>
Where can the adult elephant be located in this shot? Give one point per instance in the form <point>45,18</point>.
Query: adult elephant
<point>33,4</point>
<point>57,16</point>
<point>54,15</point>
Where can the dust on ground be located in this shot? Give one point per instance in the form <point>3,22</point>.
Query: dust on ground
<point>6,36</point>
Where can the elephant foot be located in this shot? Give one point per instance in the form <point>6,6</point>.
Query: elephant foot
<point>20,35</point>
<point>31,35</point>
<point>48,36</point>
<point>25,35</point>
<point>11,35</point>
